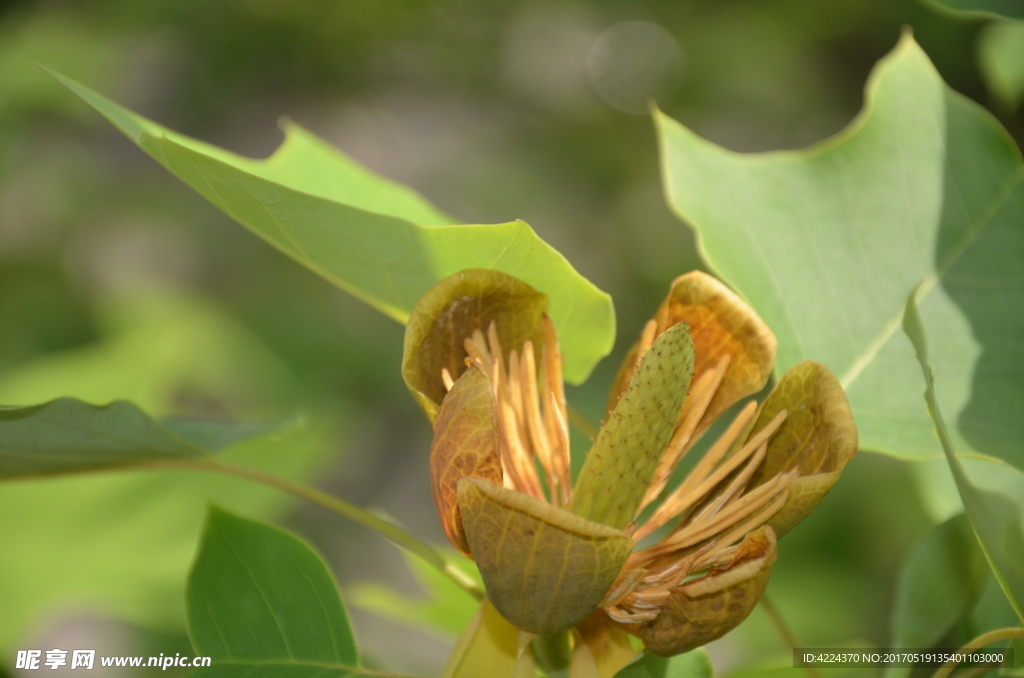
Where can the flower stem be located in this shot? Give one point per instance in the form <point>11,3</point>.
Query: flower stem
<point>783,628</point>
<point>342,508</point>
<point>980,642</point>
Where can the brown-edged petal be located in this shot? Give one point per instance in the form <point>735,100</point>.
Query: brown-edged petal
<point>450,312</point>
<point>817,438</point>
<point>465,444</point>
<point>721,324</point>
<point>707,608</point>
<point>545,569</point>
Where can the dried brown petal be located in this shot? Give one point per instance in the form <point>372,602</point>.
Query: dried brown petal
<point>465,444</point>
<point>721,324</point>
<point>545,569</point>
<point>707,608</point>
<point>450,312</point>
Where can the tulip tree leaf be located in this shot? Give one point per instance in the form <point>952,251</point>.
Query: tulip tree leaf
<point>376,239</point>
<point>693,664</point>
<point>939,584</point>
<point>827,242</point>
<point>997,520</point>
<point>625,456</point>
<point>1001,58</point>
<point>262,603</point>
<point>67,436</point>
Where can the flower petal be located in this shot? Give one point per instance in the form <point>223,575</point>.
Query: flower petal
<point>449,313</point>
<point>465,444</point>
<point>490,646</point>
<point>817,439</point>
<point>626,454</point>
<point>707,608</point>
<point>545,569</point>
<point>721,324</point>
<point>601,648</point>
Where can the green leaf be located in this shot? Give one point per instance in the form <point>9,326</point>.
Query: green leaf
<point>939,584</point>
<point>261,602</point>
<point>446,610</point>
<point>152,349</point>
<point>693,664</point>
<point>1001,58</point>
<point>67,436</point>
<point>980,8</point>
<point>827,242</point>
<point>373,238</point>
<point>996,519</point>
<point>625,456</point>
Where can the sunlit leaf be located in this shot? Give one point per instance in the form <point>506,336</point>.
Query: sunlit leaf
<point>625,455</point>
<point>695,664</point>
<point>997,520</point>
<point>375,239</point>
<point>545,569</point>
<point>826,243</point>
<point>939,584</point>
<point>262,603</point>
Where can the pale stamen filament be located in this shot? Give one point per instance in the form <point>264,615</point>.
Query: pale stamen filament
<point>687,494</point>
<point>555,409</point>
<point>446,379</point>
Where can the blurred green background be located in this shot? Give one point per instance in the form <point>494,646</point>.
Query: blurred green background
<point>117,281</point>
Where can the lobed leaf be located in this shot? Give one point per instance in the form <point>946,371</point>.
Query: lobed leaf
<point>625,456</point>
<point>817,439</point>
<point>705,609</point>
<point>826,242</point>
<point>450,312</point>
<point>545,569</point>
<point>376,239</point>
<point>997,520</point>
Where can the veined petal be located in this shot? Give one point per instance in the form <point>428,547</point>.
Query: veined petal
<point>601,648</point>
<point>721,324</point>
<point>707,608</point>
<point>545,569</point>
<point>465,444</point>
<point>449,313</point>
<point>817,439</point>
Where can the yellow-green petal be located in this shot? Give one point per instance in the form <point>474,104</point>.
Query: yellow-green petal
<point>449,313</point>
<point>545,569</point>
<point>817,439</point>
<point>625,456</point>
<point>707,608</point>
<point>490,646</point>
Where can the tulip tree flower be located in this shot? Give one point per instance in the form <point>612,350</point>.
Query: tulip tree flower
<point>618,553</point>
